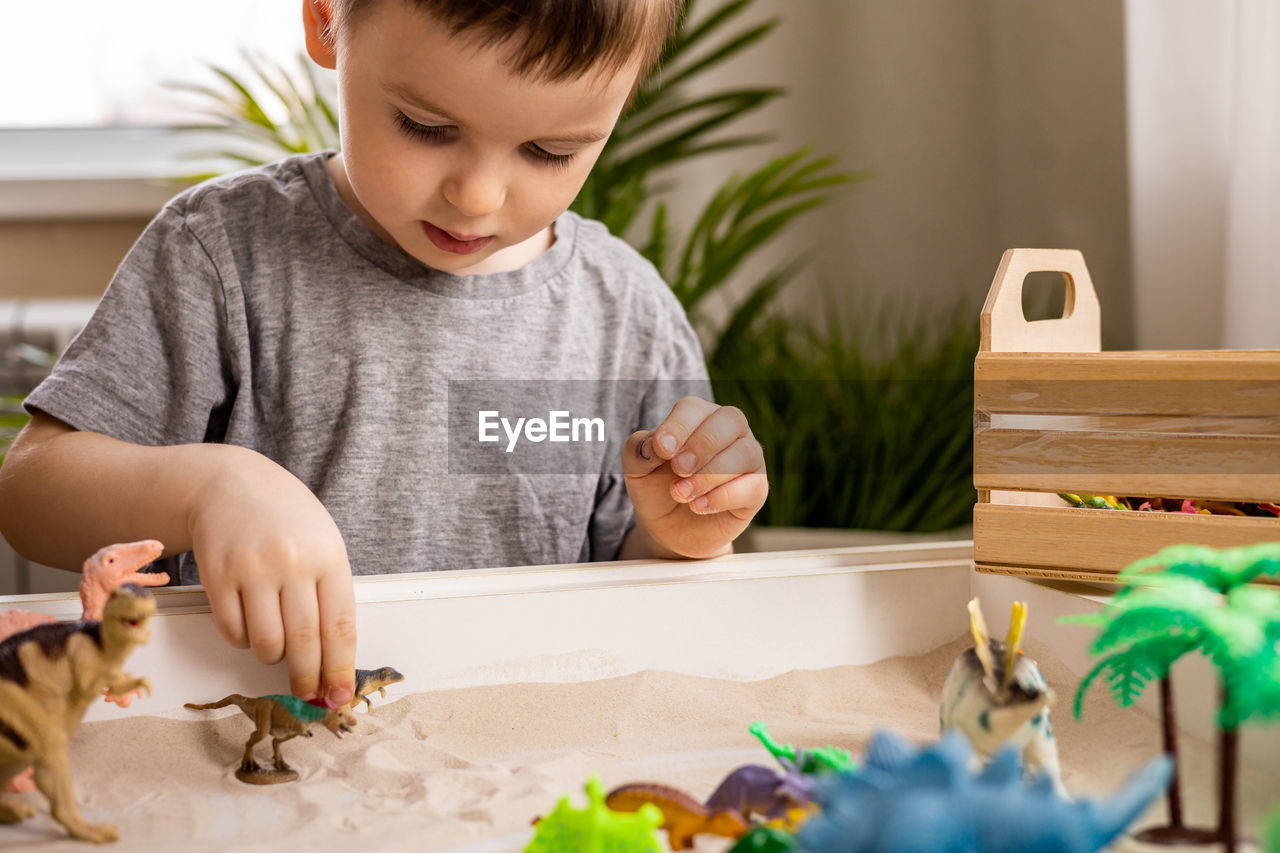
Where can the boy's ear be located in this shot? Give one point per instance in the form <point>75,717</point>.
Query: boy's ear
<point>317,19</point>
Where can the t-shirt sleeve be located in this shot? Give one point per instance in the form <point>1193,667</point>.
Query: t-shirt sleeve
<point>682,373</point>
<point>149,366</point>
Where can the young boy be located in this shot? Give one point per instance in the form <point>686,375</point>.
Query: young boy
<point>266,382</point>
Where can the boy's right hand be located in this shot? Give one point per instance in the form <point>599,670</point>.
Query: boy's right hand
<point>276,572</point>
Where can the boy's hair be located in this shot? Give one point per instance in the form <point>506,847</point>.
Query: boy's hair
<point>552,39</point>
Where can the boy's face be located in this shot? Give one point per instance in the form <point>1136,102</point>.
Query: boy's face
<point>448,155</point>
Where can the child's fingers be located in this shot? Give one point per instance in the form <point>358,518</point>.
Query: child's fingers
<point>638,456</point>
<point>672,435</point>
<point>301,613</point>
<point>337,601</point>
<point>263,620</point>
<point>228,615</point>
<point>744,456</point>
<point>716,432</point>
<point>742,497</point>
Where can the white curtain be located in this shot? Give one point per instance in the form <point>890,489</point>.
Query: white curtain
<point>1204,152</point>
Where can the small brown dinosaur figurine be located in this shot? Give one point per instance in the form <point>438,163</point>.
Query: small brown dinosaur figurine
<point>49,675</point>
<point>682,816</point>
<point>284,718</point>
<point>369,680</point>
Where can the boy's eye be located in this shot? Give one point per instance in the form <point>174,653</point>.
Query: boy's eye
<point>442,133</point>
<point>547,157</point>
<point>426,132</point>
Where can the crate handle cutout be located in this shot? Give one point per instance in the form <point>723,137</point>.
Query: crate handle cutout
<point>1006,329</point>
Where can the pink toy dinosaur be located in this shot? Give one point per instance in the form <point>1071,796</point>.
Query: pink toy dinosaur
<point>111,567</point>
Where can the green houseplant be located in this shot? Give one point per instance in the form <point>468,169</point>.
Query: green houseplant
<point>781,371</point>
<point>12,416</point>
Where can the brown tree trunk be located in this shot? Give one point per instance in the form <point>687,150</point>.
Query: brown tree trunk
<point>1227,789</point>
<point>1176,832</point>
<point>1169,726</point>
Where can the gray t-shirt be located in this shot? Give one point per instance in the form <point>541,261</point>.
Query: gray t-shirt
<point>258,310</point>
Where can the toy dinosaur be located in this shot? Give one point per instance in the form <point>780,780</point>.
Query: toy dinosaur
<point>816,761</point>
<point>107,569</point>
<point>596,829</point>
<point>997,696</point>
<point>369,680</point>
<point>682,816</point>
<point>284,718</point>
<point>765,839</point>
<point>910,799</point>
<point>48,676</point>
<point>756,789</point>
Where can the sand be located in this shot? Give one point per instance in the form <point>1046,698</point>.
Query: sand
<point>468,769</point>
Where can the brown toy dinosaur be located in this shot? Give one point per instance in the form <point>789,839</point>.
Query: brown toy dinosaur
<point>369,680</point>
<point>107,569</point>
<point>48,676</point>
<point>284,718</point>
<point>682,816</point>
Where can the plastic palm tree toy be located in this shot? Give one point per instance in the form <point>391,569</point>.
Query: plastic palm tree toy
<point>1192,598</point>
<point>1271,837</point>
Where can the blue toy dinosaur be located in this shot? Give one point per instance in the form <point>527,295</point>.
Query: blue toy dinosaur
<point>910,800</point>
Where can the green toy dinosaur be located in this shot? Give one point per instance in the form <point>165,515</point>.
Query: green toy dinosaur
<point>597,828</point>
<point>284,718</point>
<point>826,759</point>
<point>765,839</point>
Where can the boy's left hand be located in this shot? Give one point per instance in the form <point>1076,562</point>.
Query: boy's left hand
<point>697,480</point>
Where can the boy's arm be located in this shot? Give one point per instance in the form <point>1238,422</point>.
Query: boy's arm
<point>64,493</point>
<point>271,559</point>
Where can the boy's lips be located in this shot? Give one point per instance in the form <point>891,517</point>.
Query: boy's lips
<point>448,242</point>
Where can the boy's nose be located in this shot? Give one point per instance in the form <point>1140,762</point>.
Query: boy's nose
<point>475,192</point>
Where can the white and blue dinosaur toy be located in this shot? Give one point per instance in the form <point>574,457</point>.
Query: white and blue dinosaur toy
<point>996,696</point>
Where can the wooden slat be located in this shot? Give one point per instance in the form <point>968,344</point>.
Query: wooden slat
<point>1217,467</point>
<point>1022,540</point>
<point>1244,384</point>
<point>1140,424</point>
<point>1046,574</point>
<point>1139,364</point>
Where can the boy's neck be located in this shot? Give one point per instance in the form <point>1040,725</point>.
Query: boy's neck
<point>508,259</point>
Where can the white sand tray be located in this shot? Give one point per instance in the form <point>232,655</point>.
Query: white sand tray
<point>468,768</point>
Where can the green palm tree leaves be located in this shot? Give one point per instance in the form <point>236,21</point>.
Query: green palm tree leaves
<point>1194,598</point>
<point>1221,569</point>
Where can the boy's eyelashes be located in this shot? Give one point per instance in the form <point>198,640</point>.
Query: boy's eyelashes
<point>425,132</point>
<point>443,133</point>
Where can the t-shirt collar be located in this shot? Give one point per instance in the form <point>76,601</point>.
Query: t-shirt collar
<point>367,244</point>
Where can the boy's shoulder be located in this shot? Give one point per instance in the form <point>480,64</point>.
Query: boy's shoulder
<point>283,181</point>
<point>619,267</point>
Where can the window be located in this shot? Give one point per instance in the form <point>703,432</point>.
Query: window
<point>103,63</point>
<point>85,116</point>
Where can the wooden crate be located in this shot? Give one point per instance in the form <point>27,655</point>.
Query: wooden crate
<point>1052,413</point>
